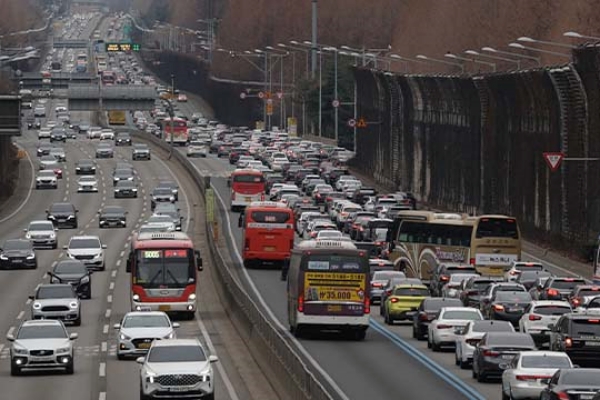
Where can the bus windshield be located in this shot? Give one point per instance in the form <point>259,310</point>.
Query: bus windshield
<point>275,217</point>
<point>162,269</point>
<point>497,227</point>
<point>248,178</point>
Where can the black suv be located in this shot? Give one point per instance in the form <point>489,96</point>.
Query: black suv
<point>428,311</point>
<point>76,273</point>
<point>58,135</point>
<point>112,216</point>
<point>578,335</point>
<point>18,253</point>
<point>63,215</point>
<point>123,139</point>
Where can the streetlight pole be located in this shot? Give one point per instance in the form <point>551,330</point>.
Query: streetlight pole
<point>577,35</point>
<point>554,53</point>
<point>478,54</point>
<point>455,57</point>
<point>530,40</point>
<point>314,39</point>
<point>510,53</point>
<point>435,60</point>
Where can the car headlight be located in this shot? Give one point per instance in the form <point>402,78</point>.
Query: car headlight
<point>170,336</point>
<point>123,336</point>
<point>206,375</point>
<point>85,279</point>
<point>37,306</point>
<point>3,257</point>
<point>52,235</point>
<point>28,235</point>
<point>116,190</point>
<point>136,297</point>
<point>70,217</point>
<point>130,178</point>
<point>134,189</point>
<point>63,350</point>
<point>172,198</point>
<point>98,255</point>
<point>31,256</point>
<point>192,297</point>
<point>20,351</point>
<point>51,217</point>
<point>73,304</point>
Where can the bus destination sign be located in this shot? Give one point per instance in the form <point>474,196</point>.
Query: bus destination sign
<point>112,47</point>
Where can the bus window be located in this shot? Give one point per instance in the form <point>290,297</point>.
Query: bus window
<point>497,227</point>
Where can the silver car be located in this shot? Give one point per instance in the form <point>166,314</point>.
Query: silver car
<point>87,249</point>
<point>42,344</point>
<point>138,329</point>
<point>177,368</point>
<point>46,179</point>
<point>56,301</point>
<point>41,233</point>
<point>87,184</point>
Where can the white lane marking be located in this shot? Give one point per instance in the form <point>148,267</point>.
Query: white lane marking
<point>65,198</point>
<point>118,263</point>
<point>67,184</point>
<point>28,301</point>
<point>102,396</point>
<point>31,185</point>
<point>53,264</point>
<point>109,298</point>
<point>230,389</point>
<point>102,370</point>
<point>548,263</point>
<point>10,330</point>
<point>123,252</point>
<point>272,316</point>
<point>107,313</point>
<point>105,329</point>
<point>129,238</point>
<point>21,314</point>
<point>111,286</point>
<point>103,347</point>
<point>61,254</point>
<point>45,275</point>
<point>114,273</point>
<point>187,199</point>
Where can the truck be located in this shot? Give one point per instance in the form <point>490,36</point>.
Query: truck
<point>116,117</point>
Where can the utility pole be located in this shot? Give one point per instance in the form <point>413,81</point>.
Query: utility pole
<point>314,40</point>
<point>335,95</point>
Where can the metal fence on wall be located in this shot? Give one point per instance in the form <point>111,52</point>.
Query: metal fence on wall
<point>475,143</point>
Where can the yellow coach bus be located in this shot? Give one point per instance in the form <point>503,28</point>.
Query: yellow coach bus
<point>426,239</point>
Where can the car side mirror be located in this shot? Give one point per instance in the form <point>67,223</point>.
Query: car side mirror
<point>55,229</point>
<point>504,366</point>
<point>212,358</point>
<point>73,336</point>
<point>10,337</point>
<point>104,246</point>
<point>47,211</point>
<point>77,210</point>
<point>545,381</point>
<point>31,297</point>
<point>176,325</point>
<point>140,360</point>
<point>117,326</point>
<point>65,247</point>
<point>576,366</point>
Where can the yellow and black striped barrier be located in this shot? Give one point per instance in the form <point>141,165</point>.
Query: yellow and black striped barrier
<point>21,154</point>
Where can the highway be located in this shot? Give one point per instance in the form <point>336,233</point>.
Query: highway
<point>98,373</point>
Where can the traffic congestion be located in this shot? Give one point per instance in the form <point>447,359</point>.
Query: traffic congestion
<point>341,257</point>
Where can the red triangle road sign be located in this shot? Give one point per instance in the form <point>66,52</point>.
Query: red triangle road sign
<point>553,159</point>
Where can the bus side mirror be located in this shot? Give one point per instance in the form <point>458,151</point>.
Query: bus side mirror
<point>198,260</point>
<point>241,221</point>
<point>128,264</point>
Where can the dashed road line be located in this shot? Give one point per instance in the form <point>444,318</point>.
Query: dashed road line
<point>10,330</point>
<point>118,263</point>
<point>107,313</point>
<point>123,251</point>
<point>21,314</point>
<point>102,370</point>
<point>103,347</point>
<point>105,329</point>
<point>114,273</point>
<point>111,286</point>
<point>109,298</point>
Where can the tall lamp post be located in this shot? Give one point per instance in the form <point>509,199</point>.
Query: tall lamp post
<point>478,54</point>
<point>513,54</point>
<point>530,40</point>
<point>435,60</point>
<point>554,53</point>
<point>577,35</point>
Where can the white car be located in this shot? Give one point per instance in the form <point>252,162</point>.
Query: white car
<point>107,134</point>
<point>177,366</point>
<point>539,315</point>
<point>94,132</point>
<point>41,344</point>
<point>471,334</point>
<point>443,330</point>
<point>197,150</point>
<point>87,249</point>
<point>329,235</point>
<point>522,377</point>
<point>41,233</point>
<point>44,133</point>
<point>138,329</point>
<point>452,287</point>
<point>517,266</point>
<point>87,184</point>
<point>46,179</point>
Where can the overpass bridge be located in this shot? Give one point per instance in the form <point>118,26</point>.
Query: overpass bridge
<point>114,97</point>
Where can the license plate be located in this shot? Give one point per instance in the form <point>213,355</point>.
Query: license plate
<point>335,308</point>
<point>515,309</point>
<point>595,344</point>
<point>178,389</point>
<point>48,358</point>
<point>586,396</point>
<point>269,248</point>
<point>164,308</point>
<point>17,261</point>
<point>144,346</point>
<point>508,356</point>
<point>248,199</point>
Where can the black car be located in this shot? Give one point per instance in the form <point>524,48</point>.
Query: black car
<point>17,253</point>
<point>578,335</point>
<point>471,290</point>
<point>123,139</point>
<point>573,384</point>
<point>105,150</point>
<point>111,216</point>
<point>559,288</point>
<point>76,273</point>
<point>63,215</point>
<point>126,189</point>
<point>508,306</point>
<point>427,312</point>
<point>170,185</point>
<point>441,275</point>
<point>123,174</point>
<point>141,151</point>
<point>161,195</point>
<point>58,135</point>
<point>85,167</point>
<point>496,349</point>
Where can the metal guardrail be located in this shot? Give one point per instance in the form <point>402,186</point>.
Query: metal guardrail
<point>268,344</point>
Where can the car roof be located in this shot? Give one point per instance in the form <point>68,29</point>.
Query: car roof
<point>410,286</point>
<point>144,313</point>
<point>42,322</point>
<point>536,303</point>
<point>84,237</point>
<point>176,342</point>
<point>458,309</point>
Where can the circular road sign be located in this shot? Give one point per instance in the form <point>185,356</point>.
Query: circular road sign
<point>242,95</point>
<point>351,123</point>
<point>261,95</point>
<point>335,103</point>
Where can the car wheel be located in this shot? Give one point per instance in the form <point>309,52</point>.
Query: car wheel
<point>473,372</point>
<point>34,266</point>
<point>142,395</point>
<point>428,342</point>
<point>14,370</point>
<point>481,378</point>
<point>506,396</point>
<point>456,359</point>
<point>88,294</point>
<point>420,335</point>
<point>70,368</point>
<point>388,320</point>
<point>434,345</point>
<point>77,322</point>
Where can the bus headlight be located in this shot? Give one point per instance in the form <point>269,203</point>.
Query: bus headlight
<point>136,297</point>
<point>192,297</point>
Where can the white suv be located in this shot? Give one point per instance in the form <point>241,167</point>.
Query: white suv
<point>177,366</point>
<point>87,249</point>
<point>41,233</point>
<point>539,315</point>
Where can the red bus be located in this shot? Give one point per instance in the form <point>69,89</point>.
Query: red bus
<point>163,267</point>
<point>268,232</point>
<point>247,185</point>
<point>180,127</point>
<point>108,78</point>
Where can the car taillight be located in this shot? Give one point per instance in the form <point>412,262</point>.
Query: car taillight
<point>498,307</point>
<point>472,261</point>
<point>444,278</point>
<point>377,284</point>
<point>301,303</point>
<point>367,305</point>
<point>563,396</point>
<point>490,353</point>
<point>388,292</point>
<point>552,292</point>
<point>514,272</point>
<point>533,317</point>
<point>313,234</point>
<point>568,342</point>
<point>444,326</point>
<point>472,292</point>
<point>531,377</point>
<point>394,300</point>
<point>472,342</point>
<point>576,301</point>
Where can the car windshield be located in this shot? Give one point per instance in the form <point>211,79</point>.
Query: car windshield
<point>509,288</point>
<point>584,377</point>
<point>140,147</point>
<point>174,354</point>
<point>517,297</point>
<point>61,208</point>
<point>17,245</point>
<point>511,339</point>
<point>162,192</point>
<point>70,267</point>
<point>114,210</point>
<point>46,174</point>
<point>457,278</point>
<point>545,361</point>
<point>85,163</point>
<point>87,179</point>
<point>41,226</point>
<point>48,158</point>
<point>42,332</point>
<point>433,305</point>
<point>492,326</point>
<point>146,321</point>
<point>462,314</point>
<point>422,292</point>
<point>533,275</point>
<point>586,326</point>
<point>55,292</point>
<point>387,275</point>
<point>552,310</point>
<point>481,284</point>
<point>84,244</point>
<point>567,284</point>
